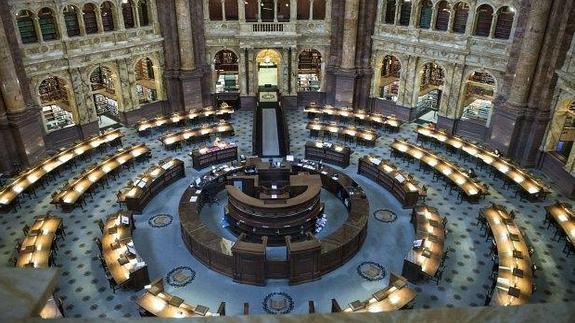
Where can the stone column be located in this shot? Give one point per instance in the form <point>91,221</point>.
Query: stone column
<point>241,10</point>
<point>470,22</point>
<point>62,31</point>
<point>381,5</point>
<point>80,18</point>
<point>292,10</point>
<point>242,72</point>
<point>275,10</point>
<point>99,20</point>
<point>294,70</point>
<point>37,29</point>
<point>310,10</point>
<point>185,36</point>
<point>397,10</point>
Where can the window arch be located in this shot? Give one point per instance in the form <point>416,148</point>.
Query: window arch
<point>107,13</point>
<point>309,70</point>
<point>56,104</point>
<point>128,14</point>
<point>478,98</point>
<point>460,18</point>
<point>71,21</point>
<point>390,12</point>
<point>47,23</point>
<point>318,9</point>
<point>26,27</point>
<point>145,81</point>
<point>504,23</point>
<point>484,20</point>
<point>226,68</point>
<point>215,9</point>
<point>252,10</point>
<point>283,10</point>
<point>143,13</point>
<point>443,13</point>
<point>425,12</point>
<point>389,78</point>
<point>90,21</point>
<point>231,7</point>
<point>405,13</point>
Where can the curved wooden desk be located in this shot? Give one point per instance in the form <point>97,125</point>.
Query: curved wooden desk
<point>391,122</point>
<point>562,214</point>
<point>368,136</point>
<point>37,245</point>
<point>157,302</point>
<point>170,139</point>
<point>392,298</point>
<point>143,126</point>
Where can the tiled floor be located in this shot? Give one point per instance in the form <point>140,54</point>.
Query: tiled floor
<point>86,292</point>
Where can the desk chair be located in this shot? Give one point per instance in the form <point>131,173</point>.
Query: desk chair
<point>26,229</point>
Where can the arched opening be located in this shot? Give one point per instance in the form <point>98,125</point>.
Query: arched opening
<point>47,24</point>
<point>425,12</point>
<point>107,13</point>
<point>405,13</point>
<point>55,102</point>
<point>231,8</point>
<point>504,23</point>
<point>563,141</point>
<point>390,12</point>
<point>318,9</point>
<point>128,14</point>
<point>143,13</point>
<point>478,99</point>
<point>283,10</point>
<point>460,18</point>
<point>215,9</point>
<point>105,94</point>
<point>25,22</point>
<point>227,71</point>
<point>251,7</point>
<point>267,10</point>
<point>90,21</point>
<point>443,13</point>
<point>268,62</point>
<point>303,9</point>
<point>484,19</point>
<point>145,81</point>
<point>71,21</point>
<point>389,78</point>
<point>432,79</point>
<point>309,70</point>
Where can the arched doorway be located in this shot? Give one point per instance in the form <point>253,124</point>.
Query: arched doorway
<point>56,102</point>
<point>226,71</point>
<point>146,85</point>
<point>431,81</point>
<point>309,70</point>
<point>268,67</point>
<point>105,93</point>
<point>389,78</point>
<point>478,99</point>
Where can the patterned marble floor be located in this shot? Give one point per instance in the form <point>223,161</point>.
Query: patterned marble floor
<point>86,293</point>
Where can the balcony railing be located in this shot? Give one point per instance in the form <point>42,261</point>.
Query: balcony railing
<point>266,28</point>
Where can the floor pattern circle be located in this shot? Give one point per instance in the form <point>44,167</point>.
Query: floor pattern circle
<point>278,303</point>
<point>160,220</point>
<point>180,276</point>
<point>371,271</point>
<point>385,215</point>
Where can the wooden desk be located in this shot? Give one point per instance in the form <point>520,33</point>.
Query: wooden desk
<point>144,126</point>
<point>430,230</point>
<point>375,119</point>
<point>119,254</point>
<point>157,302</point>
<point>349,133</point>
<point>471,190</point>
<point>513,254</point>
<point>37,245</point>
<point>562,214</point>
<point>28,178</point>
<point>207,156</point>
<point>327,152</point>
<point>392,298</point>
<point>141,191</point>
<point>389,176</point>
<point>171,139</point>
<point>74,191</point>
<point>527,183</point>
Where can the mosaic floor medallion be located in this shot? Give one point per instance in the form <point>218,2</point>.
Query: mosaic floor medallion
<point>371,271</point>
<point>180,276</point>
<point>160,220</point>
<point>278,303</point>
<point>384,215</point>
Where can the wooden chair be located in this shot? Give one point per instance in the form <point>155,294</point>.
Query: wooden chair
<point>100,225</point>
<point>26,229</point>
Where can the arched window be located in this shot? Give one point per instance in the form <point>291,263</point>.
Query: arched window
<point>319,9</point>
<point>443,13</point>
<point>71,21</point>
<point>107,12</point>
<point>128,14</point>
<point>56,107</point>
<point>25,22</point>
<point>484,19</point>
<point>215,7</point>
<point>145,81</point>
<point>504,23</point>
<point>390,11</point>
<point>251,10</point>
<point>47,24</point>
<point>425,14</point>
<point>226,69</point>
<point>267,10</point>
<point>90,21</point>
<point>143,13</point>
<point>283,10</point>
<point>460,19</point>
<point>303,9</point>
<point>405,13</point>
<point>389,78</point>
<point>479,95</point>
<point>309,70</point>
<point>231,7</point>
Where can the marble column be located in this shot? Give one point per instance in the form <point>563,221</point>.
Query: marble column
<point>346,74</point>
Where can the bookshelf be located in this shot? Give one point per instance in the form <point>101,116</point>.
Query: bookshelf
<point>71,21</point>
<point>90,21</point>
<point>56,118</point>
<point>442,20</point>
<point>128,14</point>
<point>47,25</point>
<point>425,16</point>
<point>504,24</point>
<point>26,28</point>
<point>484,18</point>
<point>405,14</point>
<point>460,19</point>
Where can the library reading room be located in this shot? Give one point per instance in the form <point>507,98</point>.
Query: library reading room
<point>287,160</point>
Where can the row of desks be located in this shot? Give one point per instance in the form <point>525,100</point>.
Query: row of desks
<point>471,189</point>
<point>37,245</point>
<point>157,302</point>
<point>328,152</point>
<point>29,177</point>
<point>514,283</point>
<point>171,139</point>
<point>526,182</point>
<point>196,114</point>
<point>369,136</point>
<point>71,194</point>
<point>564,216</point>
<point>392,122</point>
<point>392,298</point>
